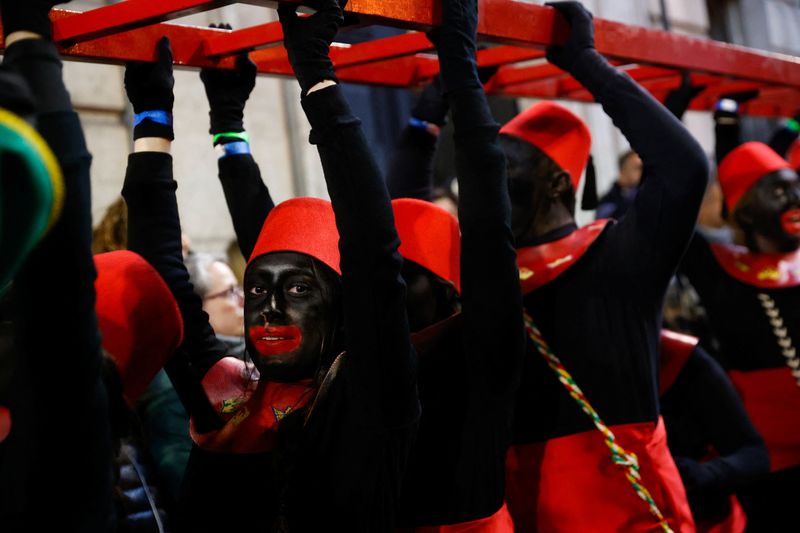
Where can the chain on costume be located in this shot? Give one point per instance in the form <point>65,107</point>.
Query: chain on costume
<point>781,333</point>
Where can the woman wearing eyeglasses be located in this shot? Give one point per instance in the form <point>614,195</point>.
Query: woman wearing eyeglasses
<point>223,298</point>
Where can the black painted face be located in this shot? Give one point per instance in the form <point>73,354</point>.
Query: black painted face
<point>428,299</point>
<point>290,312</point>
<point>772,208</point>
<point>532,185</point>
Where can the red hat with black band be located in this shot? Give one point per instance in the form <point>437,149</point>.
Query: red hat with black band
<point>430,237</point>
<point>138,317</point>
<point>301,225</point>
<point>743,167</point>
<point>558,132</point>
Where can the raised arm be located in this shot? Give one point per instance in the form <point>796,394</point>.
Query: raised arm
<point>154,228</point>
<point>784,136</point>
<point>491,300</point>
<point>248,198</point>
<point>59,406</point>
<point>376,328</point>
<point>411,168</point>
<point>662,219</point>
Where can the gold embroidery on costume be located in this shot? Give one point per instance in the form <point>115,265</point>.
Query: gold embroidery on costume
<point>279,414</point>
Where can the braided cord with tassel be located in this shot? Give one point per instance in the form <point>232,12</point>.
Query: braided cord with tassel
<point>619,455</point>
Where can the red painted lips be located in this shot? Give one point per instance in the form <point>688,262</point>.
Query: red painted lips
<point>790,220</point>
<point>275,340</point>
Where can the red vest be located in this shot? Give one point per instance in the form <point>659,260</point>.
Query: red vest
<point>569,484</point>
<point>772,399</point>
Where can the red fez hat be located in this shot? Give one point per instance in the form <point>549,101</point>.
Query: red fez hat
<point>138,317</point>
<point>429,236</point>
<point>743,167</point>
<point>556,131</point>
<point>301,225</point>
<point>794,155</point>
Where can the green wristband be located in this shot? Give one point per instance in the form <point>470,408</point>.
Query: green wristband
<point>792,124</point>
<point>238,135</point>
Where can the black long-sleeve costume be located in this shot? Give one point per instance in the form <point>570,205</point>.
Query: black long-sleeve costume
<point>704,417</point>
<point>467,364</point>
<point>346,464</point>
<point>56,466</point>
<point>469,369</point>
<point>602,317</point>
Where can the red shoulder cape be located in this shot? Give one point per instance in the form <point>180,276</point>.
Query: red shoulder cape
<point>765,271</point>
<point>542,264</point>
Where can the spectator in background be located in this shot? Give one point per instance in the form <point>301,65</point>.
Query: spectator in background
<point>223,299</point>
<point>616,202</point>
<point>111,234</point>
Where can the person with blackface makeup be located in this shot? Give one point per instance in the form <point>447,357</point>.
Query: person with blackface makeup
<point>751,291</point>
<point>468,361</point>
<point>314,434</point>
<point>594,298</point>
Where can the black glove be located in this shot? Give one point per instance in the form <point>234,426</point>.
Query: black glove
<point>308,40</point>
<point>456,44</point>
<point>678,100</point>
<point>581,35</point>
<point>726,110</point>
<point>227,92</point>
<point>431,106</point>
<point>149,86</point>
<point>28,15</point>
<point>696,476</point>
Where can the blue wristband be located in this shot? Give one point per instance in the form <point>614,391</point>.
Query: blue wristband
<point>237,148</point>
<point>430,127</point>
<point>159,117</point>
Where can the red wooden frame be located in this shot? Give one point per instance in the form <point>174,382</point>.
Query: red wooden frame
<point>514,33</point>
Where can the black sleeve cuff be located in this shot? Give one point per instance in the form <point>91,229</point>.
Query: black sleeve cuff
<point>327,110</point>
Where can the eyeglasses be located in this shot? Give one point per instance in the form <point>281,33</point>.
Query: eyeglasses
<point>232,292</point>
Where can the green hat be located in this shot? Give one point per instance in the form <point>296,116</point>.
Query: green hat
<point>31,192</point>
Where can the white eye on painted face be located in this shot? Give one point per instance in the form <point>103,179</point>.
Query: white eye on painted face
<point>257,290</point>
<point>298,289</point>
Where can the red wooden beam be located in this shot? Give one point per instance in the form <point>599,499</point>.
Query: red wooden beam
<point>381,49</point>
<point>126,15</point>
<point>397,61</point>
<point>505,21</point>
<point>232,42</point>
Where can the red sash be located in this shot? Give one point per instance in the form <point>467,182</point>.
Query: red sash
<point>569,484</point>
<point>675,351</point>
<point>499,522</point>
<point>542,264</point>
<point>251,409</point>
<point>765,271</point>
<point>772,399</point>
